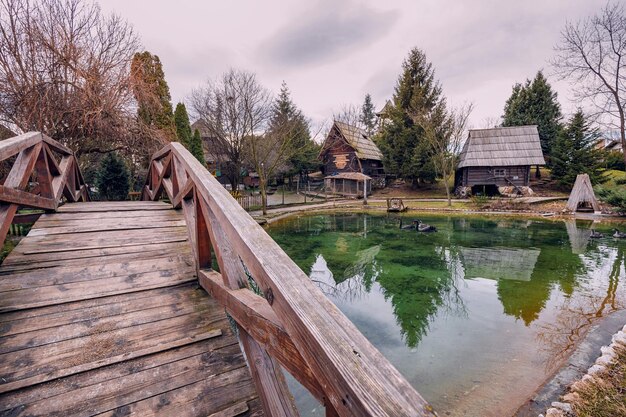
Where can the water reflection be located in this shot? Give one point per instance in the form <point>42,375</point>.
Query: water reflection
<point>510,294</point>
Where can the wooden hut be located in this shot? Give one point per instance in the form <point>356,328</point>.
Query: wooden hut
<point>582,197</point>
<point>348,148</point>
<point>349,184</point>
<point>499,157</point>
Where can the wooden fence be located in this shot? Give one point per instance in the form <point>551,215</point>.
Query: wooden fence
<point>42,174</point>
<point>249,201</point>
<point>292,324</point>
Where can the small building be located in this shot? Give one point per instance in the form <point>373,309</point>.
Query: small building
<point>349,149</point>
<point>498,158</point>
<point>349,184</point>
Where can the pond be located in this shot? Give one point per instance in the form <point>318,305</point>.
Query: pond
<point>477,315</point>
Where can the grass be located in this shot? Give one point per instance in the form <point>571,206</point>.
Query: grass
<point>606,396</point>
<point>613,175</point>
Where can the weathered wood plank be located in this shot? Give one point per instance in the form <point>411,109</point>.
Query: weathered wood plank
<point>166,265</point>
<point>19,262</point>
<point>96,226</point>
<point>224,389</point>
<point>43,296</point>
<point>115,374</point>
<point>100,240</point>
<point>85,311</point>
<point>23,198</point>
<point>67,357</point>
<point>254,314</point>
<point>40,335</point>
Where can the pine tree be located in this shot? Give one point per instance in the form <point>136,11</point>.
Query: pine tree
<point>574,152</point>
<point>303,150</point>
<point>418,96</point>
<point>152,94</point>
<point>535,103</point>
<point>195,146</point>
<point>112,178</point>
<point>368,117</point>
<point>183,128</point>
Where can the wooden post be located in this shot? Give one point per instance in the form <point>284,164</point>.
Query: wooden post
<point>365,192</point>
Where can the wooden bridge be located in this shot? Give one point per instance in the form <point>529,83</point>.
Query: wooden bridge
<point>118,308</point>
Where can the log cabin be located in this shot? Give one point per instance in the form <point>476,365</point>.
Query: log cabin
<point>498,157</point>
<point>348,150</point>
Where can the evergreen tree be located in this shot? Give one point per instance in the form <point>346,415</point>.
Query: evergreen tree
<point>112,179</point>
<point>535,103</point>
<point>368,117</point>
<point>152,94</point>
<point>418,96</point>
<point>574,152</point>
<point>183,128</point>
<point>286,117</point>
<point>195,146</point>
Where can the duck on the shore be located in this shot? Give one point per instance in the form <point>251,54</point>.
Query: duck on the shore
<point>596,235</point>
<point>618,234</point>
<point>424,227</point>
<point>411,226</point>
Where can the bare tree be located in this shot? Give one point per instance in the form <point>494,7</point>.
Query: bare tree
<point>235,109</point>
<point>349,114</point>
<point>446,140</point>
<point>592,55</point>
<point>64,70</point>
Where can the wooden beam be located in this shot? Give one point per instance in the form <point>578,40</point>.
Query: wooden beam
<point>23,198</point>
<point>254,314</point>
<point>17,144</point>
<point>17,178</point>
<point>269,379</point>
<point>357,378</point>
<point>186,192</point>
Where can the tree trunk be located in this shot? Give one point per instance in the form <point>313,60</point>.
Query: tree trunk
<point>263,189</point>
<point>446,184</point>
<point>622,126</point>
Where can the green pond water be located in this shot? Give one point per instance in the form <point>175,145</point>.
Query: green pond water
<point>477,315</point>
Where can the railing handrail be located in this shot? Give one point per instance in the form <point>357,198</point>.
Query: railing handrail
<point>36,154</point>
<point>326,351</point>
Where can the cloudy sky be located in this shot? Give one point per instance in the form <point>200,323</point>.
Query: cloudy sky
<point>331,53</point>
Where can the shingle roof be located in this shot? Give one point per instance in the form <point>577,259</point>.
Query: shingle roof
<point>350,176</point>
<point>356,137</point>
<point>502,146</point>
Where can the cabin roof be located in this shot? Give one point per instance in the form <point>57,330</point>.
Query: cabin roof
<point>502,146</point>
<point>356,137</point>
<point>386,109</point>
<point>350,176</point>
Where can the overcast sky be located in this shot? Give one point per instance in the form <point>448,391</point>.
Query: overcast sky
<point>331,53</point>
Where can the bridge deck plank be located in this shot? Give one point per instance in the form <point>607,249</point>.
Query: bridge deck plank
<point>113,322</point>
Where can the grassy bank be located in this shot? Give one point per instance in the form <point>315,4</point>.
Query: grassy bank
<point>606,395</point>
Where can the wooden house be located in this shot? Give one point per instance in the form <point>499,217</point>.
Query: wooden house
<point>349,150</point>
<point>499,157</point>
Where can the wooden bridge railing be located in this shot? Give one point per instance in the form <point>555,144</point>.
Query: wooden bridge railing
<point>292,324</point>
<point>43,172</point>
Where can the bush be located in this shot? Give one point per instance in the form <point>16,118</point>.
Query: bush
<point>614,160</point>
<point>112,178</point>
<point>615,195</point>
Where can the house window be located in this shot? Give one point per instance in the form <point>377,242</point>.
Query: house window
<point>499,172</point>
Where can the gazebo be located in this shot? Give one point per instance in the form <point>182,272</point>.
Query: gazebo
<point>349,184</point>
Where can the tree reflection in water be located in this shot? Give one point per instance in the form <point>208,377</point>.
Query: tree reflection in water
<point>422,276</point>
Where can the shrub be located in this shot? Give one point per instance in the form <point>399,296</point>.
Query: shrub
<point>615,195</point>
<point>614,160</point>
<point>112,178</point>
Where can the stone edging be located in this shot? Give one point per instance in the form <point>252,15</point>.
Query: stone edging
<point>609,355</point>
